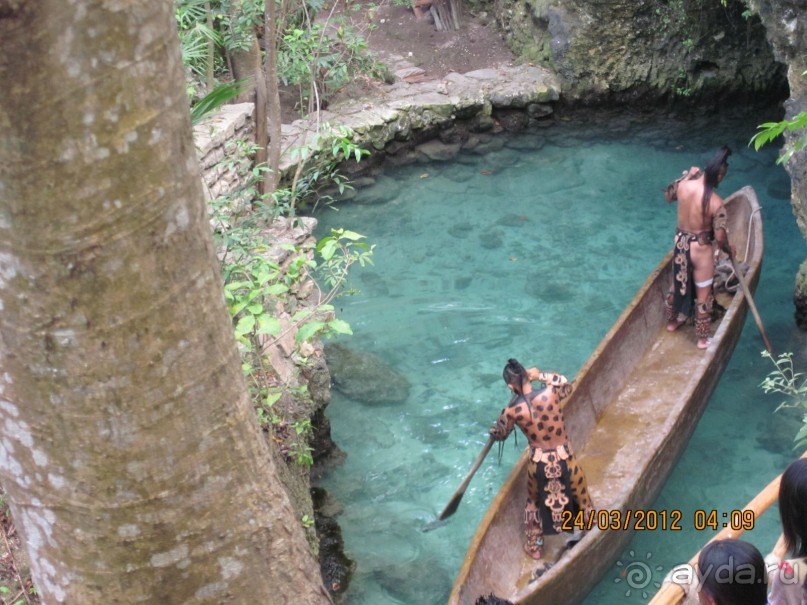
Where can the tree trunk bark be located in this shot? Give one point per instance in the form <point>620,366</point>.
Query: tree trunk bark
<point>211,51</point>
<point>272,176</point>
<point>242,62</point>
<point>129,450</point>
<point>261,123</point>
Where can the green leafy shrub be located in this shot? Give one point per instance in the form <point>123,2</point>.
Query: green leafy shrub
<point>786,381</point>
<point>319,60</point>
<point>258,289</point>
<point>771,130</point>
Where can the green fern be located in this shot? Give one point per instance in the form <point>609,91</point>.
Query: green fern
<point>223,93</point>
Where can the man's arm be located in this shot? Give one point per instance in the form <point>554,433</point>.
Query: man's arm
<point>503,427</point>
<point>671,190</point>
<point>559,384</point>
<point>549,378</point>
<point>720,227</point>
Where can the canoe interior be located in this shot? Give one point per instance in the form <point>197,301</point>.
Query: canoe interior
<point>635,405</point>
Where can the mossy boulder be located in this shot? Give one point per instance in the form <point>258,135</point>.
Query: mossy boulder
<point>364,376</point>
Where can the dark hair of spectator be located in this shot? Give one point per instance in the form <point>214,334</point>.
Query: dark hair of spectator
<point>793,507</point>
<point>732,572</point>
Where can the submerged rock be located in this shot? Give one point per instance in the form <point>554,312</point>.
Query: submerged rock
<point>782,427</point>
<point>365,377</point>
<point>411,580</point>
<point>335,566</point>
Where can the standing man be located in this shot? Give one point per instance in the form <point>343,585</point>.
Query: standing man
<point>701,224</point>
<point>556,482</point>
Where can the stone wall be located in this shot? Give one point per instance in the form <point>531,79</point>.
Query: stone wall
<point>214,139</point>
<point>403,114</point>
<point>454,110</point>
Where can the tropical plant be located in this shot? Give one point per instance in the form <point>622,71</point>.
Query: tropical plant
<point>220,95</point>
<point>318,168</point>
<point>307,521</point>
<point>320,60</point>
<point>243,19</point>
<point>199,40</point>
<point>259,289</point>
<point>317,58</point>
<point>793,385</point>
<point>771,130</point>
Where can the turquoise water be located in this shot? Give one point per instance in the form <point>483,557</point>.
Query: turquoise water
<point>531,250</point>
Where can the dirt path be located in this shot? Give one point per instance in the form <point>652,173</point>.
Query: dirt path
<point>477,44</point>
<point>392,31</point>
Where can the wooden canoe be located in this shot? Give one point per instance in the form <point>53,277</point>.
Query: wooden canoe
<point>636,402</point>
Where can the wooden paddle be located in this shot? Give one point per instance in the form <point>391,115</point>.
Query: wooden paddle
<point>751,304</point>
<point>454,503</point>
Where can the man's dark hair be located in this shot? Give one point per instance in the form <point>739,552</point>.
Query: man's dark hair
<point>720,161</point>
<point>793,507</point>
<point>733,572</point>
<point>515,374</point>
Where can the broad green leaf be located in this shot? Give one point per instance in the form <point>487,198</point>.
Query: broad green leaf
<point>237,285</point>
<point>340,326</point>
<point>352,235</point>
<point>245,324</point>
<point>219,95</point>
<point>268,325</point>
<point>329,249</point>
<point>237,307</point>
<point>308,330</point>
<point>802,434</point>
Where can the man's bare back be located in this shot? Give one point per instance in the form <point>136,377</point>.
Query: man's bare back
<point>691,217</point>
<point>701,224</point>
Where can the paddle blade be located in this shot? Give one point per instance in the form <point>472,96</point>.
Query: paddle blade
<point>454,503</point>
<point>433,525</point>
<point>451,507</point>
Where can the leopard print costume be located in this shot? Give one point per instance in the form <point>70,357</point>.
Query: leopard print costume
<point>555,481</point>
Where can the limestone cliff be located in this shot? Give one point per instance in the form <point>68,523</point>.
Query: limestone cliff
<point>786,24</point>
<point>649,50</point>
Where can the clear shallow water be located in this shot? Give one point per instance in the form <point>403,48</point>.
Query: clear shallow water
<point>532,251</point>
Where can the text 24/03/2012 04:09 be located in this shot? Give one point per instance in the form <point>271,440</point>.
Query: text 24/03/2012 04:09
<point>654,520</point>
